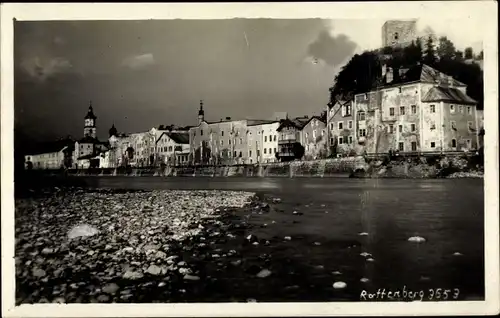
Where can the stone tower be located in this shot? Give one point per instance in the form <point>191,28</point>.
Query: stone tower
<point>90,129</point>
<point>201,113</point>
<point>399,32</point>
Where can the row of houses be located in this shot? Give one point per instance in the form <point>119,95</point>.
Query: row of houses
<point>420,111</point>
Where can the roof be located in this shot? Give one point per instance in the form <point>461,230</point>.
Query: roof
<point>51,147</point>
<point>447,94</point>
<point>422,73</point>
<point>256,122</point>
<point>298,122</point>
<point>177,137</point>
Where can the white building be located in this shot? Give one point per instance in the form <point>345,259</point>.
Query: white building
<point>50,156</point>
<point>172,148</point>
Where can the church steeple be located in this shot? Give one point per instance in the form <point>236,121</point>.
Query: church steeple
<point>113,131</point>
<point>201,113</point>
<point>90,129</point>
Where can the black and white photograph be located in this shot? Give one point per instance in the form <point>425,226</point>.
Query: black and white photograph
<point>249,159</point>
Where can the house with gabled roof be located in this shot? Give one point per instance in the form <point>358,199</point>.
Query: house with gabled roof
<point>420,110</point>
<point>172,148</point>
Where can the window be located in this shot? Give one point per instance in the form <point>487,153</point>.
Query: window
<point>350,139</point>
<point>453,125</point>
<point>340,125</point>
<point>396,36</point>
<point>265,138</point>
<point>460,109</point>
<point>234,154</point>
<point>249,153</point>
<point>274,139</point>
<point>433,126</point>
<point>222,133</point>
<point>413,128</point>
<point>391,128</point>
<point>452,109</point>
<point>201,132</point>
<point>307,135</point>
<point>229,141</point>
<point>322,132</point>
<point>402,110</point>
<point>433,144</point>
<point>470,125</point>
<point>413,146</point>
<point>265,150</point>
<point>361,115</point>
<point>468,142</point>
<point>170,148</point>
<point>332,141</point>
<point>350,124</point>
<point>400,90</point>
<point>270,150</point>
<point>240,154</point>
<point>314,134</point>
<point>401,146</point>
<point>274,150</point>
<point>413,109</point>
<point>348,110</point>
<point>241,141</point>
<point>433,108</point>
<point>400,128</point>
<point>222,142</point>
<point>340,140</point>
<point>391,111</point>
<point>331,126</point>
<point>453,143</point>
<point>362,132</point>
<point>469,110</point>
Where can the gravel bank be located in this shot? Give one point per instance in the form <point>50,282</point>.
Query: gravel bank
<point>119,246</point>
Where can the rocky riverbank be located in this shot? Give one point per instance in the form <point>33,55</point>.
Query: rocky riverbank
<point>119,246</point>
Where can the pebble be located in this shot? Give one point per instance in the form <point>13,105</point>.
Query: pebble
<point>363,234</point>
<point>59,300</point>
<point>339,285</point>
<point>111,288</point>
<point>364,280</point>
<point>47,251</point>
<point>264,273</point>
<point>337,273</point>
<point>132,275</point>
<point>416,239</point>
<point>103,298</point>
<point>38,272</point>
<point>457,254</point>
<point>288,238</point>
<point>370,260</point>
<point>191,277</point>
<point>365,254</point>
<point>317,243</point>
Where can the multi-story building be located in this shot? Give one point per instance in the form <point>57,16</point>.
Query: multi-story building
<point>341,128</point>
<point>289,138</point>
<point>314,138</point>
<point>262,139</point>
<point>227,141</point>
<point>54,155</point>
<point>423,111</point>
<point>172,148</point>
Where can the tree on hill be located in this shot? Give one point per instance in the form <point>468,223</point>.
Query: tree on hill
<point>468,54</point>
<point>446,49</point>
<point>358,75</point>
<point>429,56</point>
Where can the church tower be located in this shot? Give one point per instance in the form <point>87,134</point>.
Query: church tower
<point>201,113</point>
<point>90,129</point>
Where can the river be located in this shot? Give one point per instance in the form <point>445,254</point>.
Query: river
<point>325,238</point>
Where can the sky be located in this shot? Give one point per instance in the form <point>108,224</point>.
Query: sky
<point>141,74</point>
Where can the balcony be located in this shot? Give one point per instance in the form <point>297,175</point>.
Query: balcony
<point>287,140</point>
